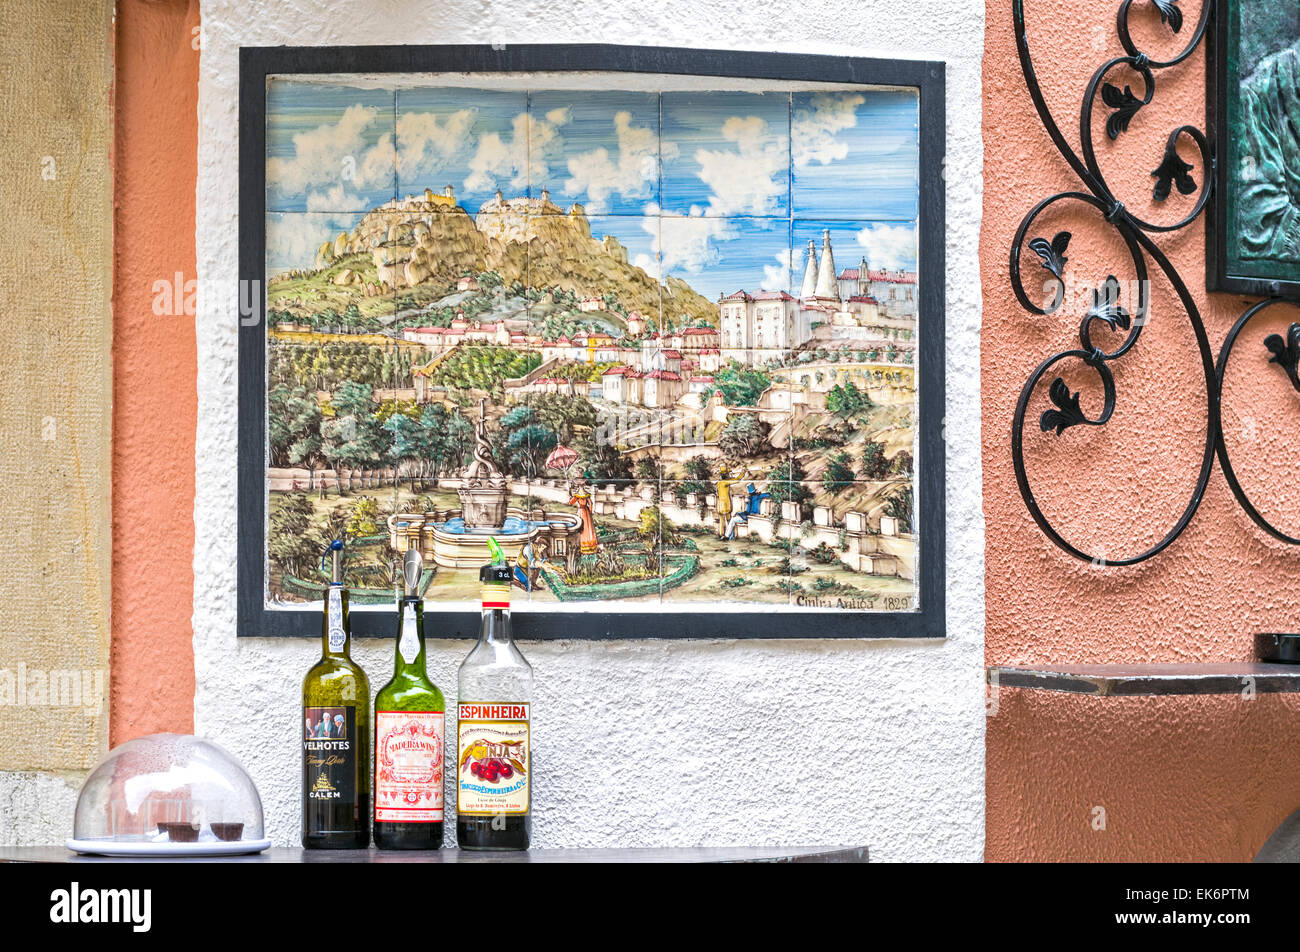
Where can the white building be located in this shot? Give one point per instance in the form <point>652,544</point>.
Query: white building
<point>752,326</point>
<point>893,291</point>
<point>755,328</point>
<point>661,388</point>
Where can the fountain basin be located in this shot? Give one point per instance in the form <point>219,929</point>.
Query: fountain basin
<point>444,536</point>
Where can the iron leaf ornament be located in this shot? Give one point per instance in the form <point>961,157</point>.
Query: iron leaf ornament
<point>1067,413</point>
<point>1052,252</point>
<point>1106,306</point>
<point>1286,353</point>
<point>1172,171</point>
<point>1170,13</point>
<point>1125,104</point>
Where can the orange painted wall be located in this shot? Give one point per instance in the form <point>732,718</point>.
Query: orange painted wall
<point>154,370</point>
<point>1179,779</point>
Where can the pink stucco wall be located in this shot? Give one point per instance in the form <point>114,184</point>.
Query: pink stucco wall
<point>155,394</point>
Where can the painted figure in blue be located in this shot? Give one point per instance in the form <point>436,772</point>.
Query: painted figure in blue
<point>752,507</point>
<point>528,566</point>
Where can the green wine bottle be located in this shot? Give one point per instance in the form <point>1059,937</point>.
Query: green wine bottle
<point>409,732</point>
<point>336,732</point>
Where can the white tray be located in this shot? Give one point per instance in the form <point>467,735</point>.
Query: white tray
<point>167,848</point>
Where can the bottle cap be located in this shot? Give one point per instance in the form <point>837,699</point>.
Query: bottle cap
<point>334,552</point>
<point>495,578</point>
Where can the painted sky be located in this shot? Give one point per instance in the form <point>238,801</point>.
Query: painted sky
<point>714,187</point>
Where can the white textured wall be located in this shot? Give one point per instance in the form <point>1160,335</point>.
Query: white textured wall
<point>36,807</point>
<point>643,743</point>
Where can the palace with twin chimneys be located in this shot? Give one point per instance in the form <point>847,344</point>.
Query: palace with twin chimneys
<point>854,305</point>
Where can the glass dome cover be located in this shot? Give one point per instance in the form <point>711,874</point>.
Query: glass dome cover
<point>168,793</point>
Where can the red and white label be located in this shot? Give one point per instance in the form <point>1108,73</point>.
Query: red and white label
<point>408,766</point>
<point>493,760</point>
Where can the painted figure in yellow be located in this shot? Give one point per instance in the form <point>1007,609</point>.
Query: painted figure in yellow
<point>724,500</point>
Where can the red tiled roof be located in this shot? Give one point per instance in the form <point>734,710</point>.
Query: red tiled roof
<point>709,350</point>
<point>672,354</point>
<point>701,330</point>
<point>893,277</point>
<point>849,274</point>
<point>615,372</point>
<point>664,375</point>
<point>772,296</point>
<point>701,380</point>
<point>738,296</point>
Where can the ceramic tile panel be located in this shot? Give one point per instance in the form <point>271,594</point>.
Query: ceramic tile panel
<point>329,146</point>
<point>720,541</point>
<point>855,155</point>
<point>726,154</point>
<point>598,149</point>
<point>679,356</point>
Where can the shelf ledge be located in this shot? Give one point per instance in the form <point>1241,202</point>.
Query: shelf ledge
<point>1149,680</point>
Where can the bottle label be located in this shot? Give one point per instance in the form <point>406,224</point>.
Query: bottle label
<point>408,645</point>
<point>494,759</point>
<point>329,754</point>
<point>408,766</point>
<point>335,613</point>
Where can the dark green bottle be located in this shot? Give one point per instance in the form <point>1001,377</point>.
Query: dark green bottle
<point>336,732</point>
<point>410,733</point>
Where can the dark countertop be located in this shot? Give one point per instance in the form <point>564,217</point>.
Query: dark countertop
<point>737,854</point>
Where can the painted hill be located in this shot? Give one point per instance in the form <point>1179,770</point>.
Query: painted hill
<point>429,240</point>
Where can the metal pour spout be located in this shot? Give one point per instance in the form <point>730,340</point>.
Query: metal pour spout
<point>412,569</point>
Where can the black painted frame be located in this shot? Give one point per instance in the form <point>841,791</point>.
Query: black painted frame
<point>257,63</point>
<point>1218,35</point>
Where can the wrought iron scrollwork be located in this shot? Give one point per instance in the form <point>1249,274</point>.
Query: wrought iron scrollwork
<point>1173,172</point>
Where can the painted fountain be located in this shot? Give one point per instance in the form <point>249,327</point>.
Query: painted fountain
<point>457,538</point>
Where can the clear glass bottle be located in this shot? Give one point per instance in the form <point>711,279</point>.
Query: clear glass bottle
<point>410,735</point>
<point>336,731</point>
<point>494,747</point>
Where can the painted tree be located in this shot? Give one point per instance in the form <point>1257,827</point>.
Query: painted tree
<point>739,385</point>
<point>353,437</point>
<point>839,473</point>
<point>648,470</point>
<point>874,464</point>
<point>846,402</point>
<point>289,541</point>
<point>744,435</point>
<point>364,519</point>
<point>527,441</point>
<point>787,483</point>
<point>900,507</point>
